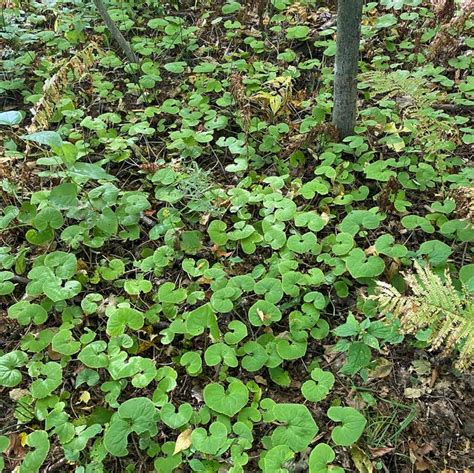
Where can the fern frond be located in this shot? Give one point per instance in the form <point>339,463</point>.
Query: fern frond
<point>430,127</point>
<point>434,302</point>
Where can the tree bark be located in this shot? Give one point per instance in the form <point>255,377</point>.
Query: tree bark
<point>349,15</point>
<point>115,32</point>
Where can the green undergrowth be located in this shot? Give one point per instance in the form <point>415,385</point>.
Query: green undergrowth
<point>187,250</point>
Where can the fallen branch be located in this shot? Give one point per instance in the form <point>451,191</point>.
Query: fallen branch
<point>115,32</point>
<point>451,107</point>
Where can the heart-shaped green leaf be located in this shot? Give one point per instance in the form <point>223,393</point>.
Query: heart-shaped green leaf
<point>228,402</point>
<point>359,266</point>
<point>122,317</point>
<point>319,387</point>
<point>353,424</point>
<point>174,419</point>
<point>10,376</point>
<point>298,427</point>
<point>210,443</point>
<point>263,313</point>
<point>321,457</point>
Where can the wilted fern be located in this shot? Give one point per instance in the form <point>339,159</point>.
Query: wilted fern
<point>434,303</point>
<point>54,87</point>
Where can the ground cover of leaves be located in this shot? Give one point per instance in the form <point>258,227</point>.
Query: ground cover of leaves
<point>187,249</point>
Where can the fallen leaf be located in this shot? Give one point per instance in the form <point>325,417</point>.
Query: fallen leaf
<point>262,315</point>
<point>85,397</point>
<point>23,436</point>
<point>18,393</point>
<point>204,219</point>
<point>412,393</point>
<point>381,369</point>
<point>417,456</point>
<point>370,250</point>
<point>361,460</point>
<point>380,452</point>
<point>219,252</point>
<point>183,441</point>
<point>434,377</point>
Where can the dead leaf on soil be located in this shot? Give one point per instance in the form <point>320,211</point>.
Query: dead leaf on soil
<point>361,460</point>
<point>413,393</point>
<point>417,456</point>
<point>219,253</point>
<point>260,380</point>
<point>18,393</point>
<point>380,452</point>
<point>382,368</point>
<point>183,441</point>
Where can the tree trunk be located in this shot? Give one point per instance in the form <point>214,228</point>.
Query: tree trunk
<point>115,32</point>
<point>349,15</point>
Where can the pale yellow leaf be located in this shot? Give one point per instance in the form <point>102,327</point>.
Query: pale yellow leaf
<point>85,397</point>
<point>275,103</point>
<point>183,441</point>
<point>390,128</point>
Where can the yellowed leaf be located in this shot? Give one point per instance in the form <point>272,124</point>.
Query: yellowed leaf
<point>85,397</point>
<point>23,436</point>
<point>390,128</point>
<point>18,393</point>
<point>361,460</point>
<point>183,441</point>
<point>275,103</point>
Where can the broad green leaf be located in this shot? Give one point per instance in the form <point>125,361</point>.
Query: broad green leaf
<point>358,357</point>
<point>10,118</point>
<point>123,317</point>
<point>361,266</point>
<point>176,418</point>
<point>10,376</point>
<point>25,312</point>
<point>263,313</point>
<point>276,458</point>
<point>209,443</point>
<point>137,415</point>
<point>50,138</point>
<point>321,457</point>
<point>51,376</point>
<point>226,401</point>
<point>319,386</point>
<point>353,424</point>
<point>63,342</point>
<point>298,428</point>
<point>37,440</point>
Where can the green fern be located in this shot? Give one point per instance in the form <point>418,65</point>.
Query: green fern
<point>434,303</point>
<point>432,129</point>
<point>402,84</point>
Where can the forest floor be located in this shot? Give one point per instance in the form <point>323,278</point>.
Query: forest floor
<point>194,220</point>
